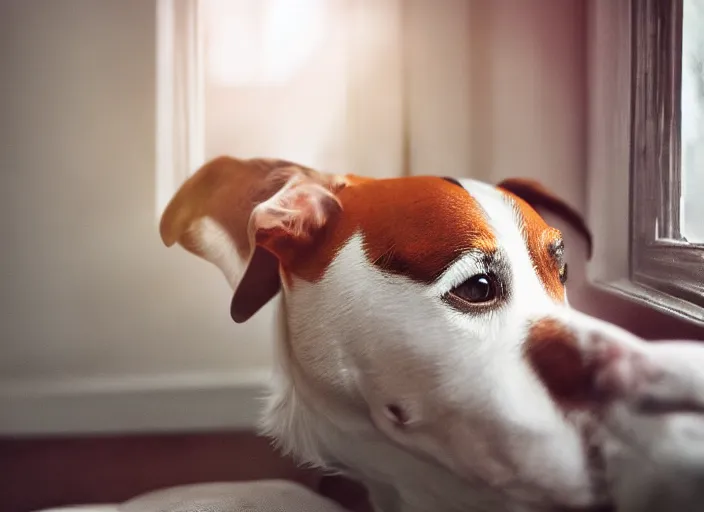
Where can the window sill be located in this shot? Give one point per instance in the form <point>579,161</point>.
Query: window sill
<point>655,299</point>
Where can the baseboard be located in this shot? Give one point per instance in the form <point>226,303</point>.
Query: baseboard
<point>164,403</point>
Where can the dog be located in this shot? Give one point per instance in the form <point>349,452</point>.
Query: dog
<point>427,347</point>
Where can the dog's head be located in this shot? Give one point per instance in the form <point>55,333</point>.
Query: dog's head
<point>435,307</point>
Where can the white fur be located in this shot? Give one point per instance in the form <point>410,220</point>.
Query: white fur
<point>218,248</point>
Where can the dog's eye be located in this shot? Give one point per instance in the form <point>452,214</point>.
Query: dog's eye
<point>563,273</point>
<point>477,289</point>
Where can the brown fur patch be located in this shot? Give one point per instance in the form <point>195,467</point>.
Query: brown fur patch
<point>539,237</point>
<point>414,226</point>
<point>552,351</point>
<point>227,190</point>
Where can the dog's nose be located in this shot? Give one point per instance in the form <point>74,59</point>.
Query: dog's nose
<point>584,361</point>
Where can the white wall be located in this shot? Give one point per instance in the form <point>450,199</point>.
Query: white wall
<point>89,297</point>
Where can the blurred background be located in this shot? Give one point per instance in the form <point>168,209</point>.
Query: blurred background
<point>120,368</point>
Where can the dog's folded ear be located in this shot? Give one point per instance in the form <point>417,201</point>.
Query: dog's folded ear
<point>246,217</point>
<point>538,196</point>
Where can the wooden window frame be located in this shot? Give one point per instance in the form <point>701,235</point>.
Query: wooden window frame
<point>668,270</point>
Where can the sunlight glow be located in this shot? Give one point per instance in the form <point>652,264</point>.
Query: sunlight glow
<point>260,42</point>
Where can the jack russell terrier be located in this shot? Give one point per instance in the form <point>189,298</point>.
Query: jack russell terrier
<point>427,348</point>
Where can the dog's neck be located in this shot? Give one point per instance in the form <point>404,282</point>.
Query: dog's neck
<point>316,429</point>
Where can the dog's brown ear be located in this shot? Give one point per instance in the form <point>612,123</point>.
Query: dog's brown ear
<point>538,196</point>
<point>245,216</point>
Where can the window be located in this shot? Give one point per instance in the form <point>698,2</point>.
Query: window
<point>646,182</point>
<point>667,177</point>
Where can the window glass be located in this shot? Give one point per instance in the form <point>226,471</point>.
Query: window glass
<point>692,157</point>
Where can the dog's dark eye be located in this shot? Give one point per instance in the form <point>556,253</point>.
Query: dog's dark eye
<point>563,273</point>
<point>477,289</point>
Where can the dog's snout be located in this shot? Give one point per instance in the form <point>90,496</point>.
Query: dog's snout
<point>585,362</point>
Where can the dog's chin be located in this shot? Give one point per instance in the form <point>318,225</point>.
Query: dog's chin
<point>544,488</point>
<point>552,479</point>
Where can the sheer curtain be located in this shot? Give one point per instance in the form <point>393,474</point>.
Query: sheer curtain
<point>180,99</point>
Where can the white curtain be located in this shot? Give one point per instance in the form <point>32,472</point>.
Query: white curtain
<point>180,98</point>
